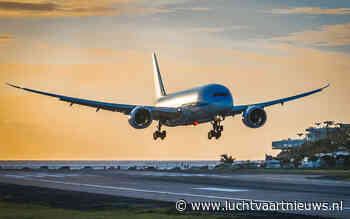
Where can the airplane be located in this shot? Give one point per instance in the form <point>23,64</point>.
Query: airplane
<point>209,103</point>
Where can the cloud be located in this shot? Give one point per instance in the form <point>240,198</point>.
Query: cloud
<point>199,9</point>
<point>311,10</point>
<point>217,29</point>
<point>4,38</point>
<point>328,35</point>
<point>5,5</point>
<point>191,9</point>
<point>75,8</point>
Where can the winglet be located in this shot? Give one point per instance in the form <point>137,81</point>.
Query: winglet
<point>12,85</point>
<point>326,86</point>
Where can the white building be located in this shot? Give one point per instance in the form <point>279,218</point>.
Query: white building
<point>314,134</point>
<point>288,143</point>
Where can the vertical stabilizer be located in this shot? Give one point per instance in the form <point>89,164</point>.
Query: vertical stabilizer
<point>158,83</point>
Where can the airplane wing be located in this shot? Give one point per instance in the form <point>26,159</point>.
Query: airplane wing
<point>157,112</point>
<point>240,108</point>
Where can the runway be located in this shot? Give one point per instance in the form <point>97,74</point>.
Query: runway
<point>193,187</point>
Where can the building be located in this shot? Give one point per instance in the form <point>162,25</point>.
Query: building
<point>272,164</point>
<point>288,143</point>
<point>314,134</point>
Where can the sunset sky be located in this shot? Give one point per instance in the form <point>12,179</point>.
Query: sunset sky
<point>101,50</point>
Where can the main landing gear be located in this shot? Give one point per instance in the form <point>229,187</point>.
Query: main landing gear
<point>158,133</point>
<point>217,129</point>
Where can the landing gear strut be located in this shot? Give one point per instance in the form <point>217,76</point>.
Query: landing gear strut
<point>158,133</point>
<point>216,131</point>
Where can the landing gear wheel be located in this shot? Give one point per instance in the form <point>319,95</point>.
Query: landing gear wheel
<point>210,135</point>
<point>216,131</point>
<point>162,134</point>
<point>155,135</point>
<point>158,133</point>
<point>217,135</point>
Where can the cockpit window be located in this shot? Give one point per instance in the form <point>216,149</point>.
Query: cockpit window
<point>220,94</point>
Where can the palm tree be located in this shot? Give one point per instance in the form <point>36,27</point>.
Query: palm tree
<point>227,159</point>
<point>338,124</point>
<point>328,123</point>
<point>309,134</point>
<point>317,130</point>
<point>310,129</point>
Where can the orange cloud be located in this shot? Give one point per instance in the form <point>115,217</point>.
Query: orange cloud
<point>75,8</point>
<point>329,35</point>
<point>5,38</point>
<point>312,10</point>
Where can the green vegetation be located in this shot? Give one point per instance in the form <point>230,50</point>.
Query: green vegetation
<point>11,210</point>
<point>19,210</point>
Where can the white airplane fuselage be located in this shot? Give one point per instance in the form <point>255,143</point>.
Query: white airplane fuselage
<point>200,104</point>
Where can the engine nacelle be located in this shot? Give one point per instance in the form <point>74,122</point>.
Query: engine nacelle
<point>140,117</point>
<point>254,117</point>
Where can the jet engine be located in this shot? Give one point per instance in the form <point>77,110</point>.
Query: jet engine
<point>254,117</point>
<point>140,117</point>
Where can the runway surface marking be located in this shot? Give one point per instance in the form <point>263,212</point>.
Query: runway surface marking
<point>158,192</point>
<point>274,178</point>
<point>14,176</point>
<point>141,190</point>
<point>151,191</point>
<point>221,189</point>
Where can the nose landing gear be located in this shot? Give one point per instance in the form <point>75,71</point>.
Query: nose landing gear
<point>216,131</point>
<point>159,134</point>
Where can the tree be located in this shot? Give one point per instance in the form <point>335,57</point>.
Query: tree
<point>330,161</point>
<point>328,123</point>
<point>227,159</point>
<point>308,135</point>
<point>313,158</point>
<point>341,137</point>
